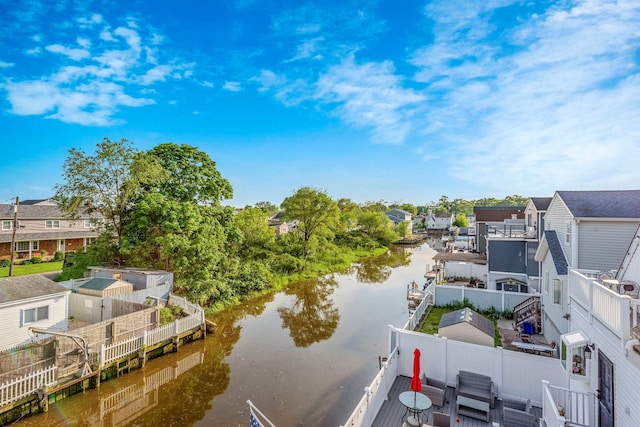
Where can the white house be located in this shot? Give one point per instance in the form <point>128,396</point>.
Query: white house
<point>27,301</point>
<point>439,220</point>
<point>584,230</point>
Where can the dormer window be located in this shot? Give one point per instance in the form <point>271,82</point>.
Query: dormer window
<point>52,223</point>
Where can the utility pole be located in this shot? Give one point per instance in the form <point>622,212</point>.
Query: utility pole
<point>13,235</point>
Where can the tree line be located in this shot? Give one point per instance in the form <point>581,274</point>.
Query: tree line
<point>163,209</point>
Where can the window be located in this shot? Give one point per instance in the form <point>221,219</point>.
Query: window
<point>568,232</point>
<point>557,291</point>
<point>546,282</point>
<point>7,225</point>
<point>52,223</point>
<point>35,314</point>
<point>26,246</point>
<point>87,223</point>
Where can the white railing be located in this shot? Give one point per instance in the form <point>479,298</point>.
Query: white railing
<point>375,395</point>
<point>421,308</point>
<point>550,414</point>
<point>187,323</point>
<point>110,353</point>
<point>160,334</point>
<point>602,303</point>
<point>28,384</point>
<point>569,406</point>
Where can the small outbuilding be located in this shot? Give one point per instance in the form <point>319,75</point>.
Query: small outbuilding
<point>468,326</point>
<point>104,287</point>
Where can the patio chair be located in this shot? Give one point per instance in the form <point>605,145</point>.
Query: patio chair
<point>441,420</point>
<point>516,413</point>
<point>434,389</point>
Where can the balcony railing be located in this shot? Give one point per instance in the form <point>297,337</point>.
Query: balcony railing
<point>562,407</point>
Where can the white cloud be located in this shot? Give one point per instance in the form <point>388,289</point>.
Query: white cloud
<point>232,86</point>
<point>268,80</point>
<point>207,84</point>
<point>33,51</point>
<point>94,82</point>
<point>73,53</point>
<point>370,95</point>
<point>551,103</point>
<point>4,64</point>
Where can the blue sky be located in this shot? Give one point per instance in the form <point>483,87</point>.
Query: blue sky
<point>370,100</point>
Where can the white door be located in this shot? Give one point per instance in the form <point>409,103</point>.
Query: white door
<point>61,245</point>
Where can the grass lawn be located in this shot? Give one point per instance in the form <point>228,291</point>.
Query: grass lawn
<point>43,267</point>
<point>430,325</point>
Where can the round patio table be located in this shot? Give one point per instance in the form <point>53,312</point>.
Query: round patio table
<point>415,404</point>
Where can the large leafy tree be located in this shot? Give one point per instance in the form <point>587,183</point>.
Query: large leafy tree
<point>317,213</point>
<point>104,184</point>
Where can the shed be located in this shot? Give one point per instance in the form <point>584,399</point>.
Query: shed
<point>104,287</point>
<point>468,326</point>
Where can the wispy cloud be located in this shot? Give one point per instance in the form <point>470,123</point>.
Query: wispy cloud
<point>561,88</point>
<point>108,69</point>
<point>232,86</point>
<point>4,64</point>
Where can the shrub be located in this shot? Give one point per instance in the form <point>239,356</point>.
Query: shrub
<point>5,263</point>
<point>36,260</point>
<point>58,256</point>
<point>26,262</point>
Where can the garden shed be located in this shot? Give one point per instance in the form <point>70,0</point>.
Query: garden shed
<point>468,326</point>
<point>104,287</point>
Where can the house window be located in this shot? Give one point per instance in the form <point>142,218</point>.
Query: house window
<point>568,232</point>
<point>7,225</point>
<point>557,291</point>
<point>52,223</point>
<point>87,223</point>
<point>546,282</point>
<point>35,314</point>
<point>26,246</point>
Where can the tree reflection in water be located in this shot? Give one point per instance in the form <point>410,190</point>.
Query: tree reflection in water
<point>378,269</point>
<point>312,317</point>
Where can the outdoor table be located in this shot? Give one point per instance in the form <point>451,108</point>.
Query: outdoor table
<point>536,348</point>
<point>415,404</point>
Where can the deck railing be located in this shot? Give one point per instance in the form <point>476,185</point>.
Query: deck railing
<point>28,384</point>
<point>375,395</point>
<point>562,406</point>
<point>421,308</point>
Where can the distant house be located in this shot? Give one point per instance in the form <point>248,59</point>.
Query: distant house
<point>43,229</point>
<point>490,218</point>
<point>468,326</point>
<point>279,227</point>
<point>27,301</point>
<point>439,221</point>
<point>398,216</point>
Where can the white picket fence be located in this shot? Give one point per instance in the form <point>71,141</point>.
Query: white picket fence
<point>25,385</point>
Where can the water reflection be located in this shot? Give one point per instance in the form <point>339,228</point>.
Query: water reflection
<point>312,316</point>
<point>378,270</point>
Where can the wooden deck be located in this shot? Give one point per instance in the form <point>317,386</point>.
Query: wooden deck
<point>392,411</point>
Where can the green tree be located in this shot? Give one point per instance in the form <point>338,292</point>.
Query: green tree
<point>317,213</point>
<point>256,237</point>
<point>103,184</point>
<point>461,221</point>
<point>378,226</point>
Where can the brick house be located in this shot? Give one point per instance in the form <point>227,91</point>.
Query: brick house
<point>42,230</point>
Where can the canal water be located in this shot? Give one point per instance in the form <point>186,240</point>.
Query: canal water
<point>303,356</point>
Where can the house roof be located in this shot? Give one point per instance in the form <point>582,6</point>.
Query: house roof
<point>98,283</point>
<point>443,214</point>
<point>541,203</point>
<point>497,213</point>
<point>602,204</point>
<point>26,287</point>
<point>38,202</point>
<point>559,260</point>
<point>467,315</point>
<point>44,211</point>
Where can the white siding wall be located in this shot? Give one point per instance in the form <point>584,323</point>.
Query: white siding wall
<point>16,332</point>
<point>556,219</point>
<point>626,375</point>
<point>553,322</point>
<point>602,245</point>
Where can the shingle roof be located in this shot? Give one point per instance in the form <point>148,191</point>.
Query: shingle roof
<point>602,204</point>
<point>467,315</point>
<point>35,212</point>
<point>49,235</point>
<point>98,283</point>
<point>24,287</point>
<point>541,203</point>
<point>559,260</point>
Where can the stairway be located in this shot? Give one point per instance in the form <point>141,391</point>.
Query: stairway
<point>528,311</point>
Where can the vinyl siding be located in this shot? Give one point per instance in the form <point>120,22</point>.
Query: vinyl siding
<point>15,332</point>
<point>603,245</point>
<point>556,219</point>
